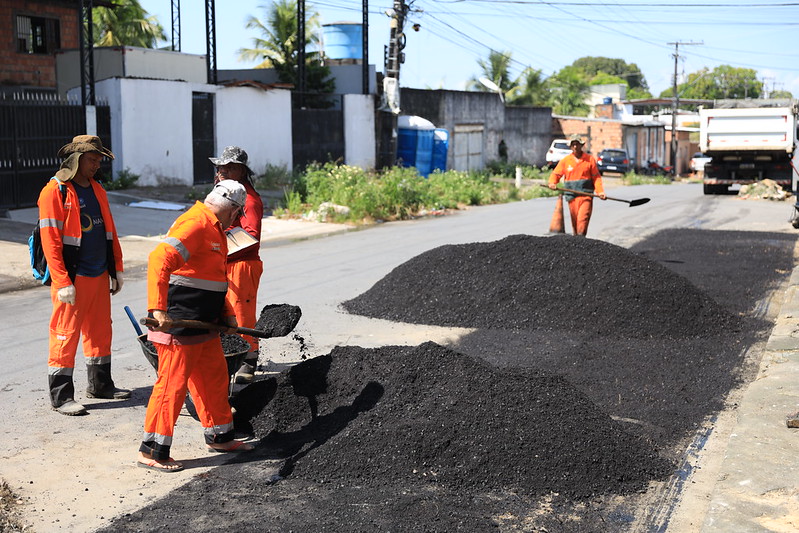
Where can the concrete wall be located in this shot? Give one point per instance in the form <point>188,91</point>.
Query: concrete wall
<point>131,61</point>
<point>467,114</point>
<point>151,126</point>
<point>258,121</point>
<point>359,130</point>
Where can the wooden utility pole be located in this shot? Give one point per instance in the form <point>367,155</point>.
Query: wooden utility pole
<point>675,100</point>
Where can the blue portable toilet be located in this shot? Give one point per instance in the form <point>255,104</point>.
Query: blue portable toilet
<point>415,143</point>
<point>440,149</point>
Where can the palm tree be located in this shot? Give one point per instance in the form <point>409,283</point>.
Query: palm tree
<point>127,24</point>
<point>496,69</point>
<point>569,88</point>
<point>278,48</point>
<point>530,89</point>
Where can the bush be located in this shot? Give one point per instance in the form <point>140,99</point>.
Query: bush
<point>125,179</point>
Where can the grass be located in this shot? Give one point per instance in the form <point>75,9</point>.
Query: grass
<point>340,193</point>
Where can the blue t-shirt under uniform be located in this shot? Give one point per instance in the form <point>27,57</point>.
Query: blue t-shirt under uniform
<point>92,259</point>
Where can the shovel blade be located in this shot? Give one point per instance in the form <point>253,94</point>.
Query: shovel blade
<point>639,201</point>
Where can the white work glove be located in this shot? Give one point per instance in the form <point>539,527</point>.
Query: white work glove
<point>67,294</point>
<point>116,283</point>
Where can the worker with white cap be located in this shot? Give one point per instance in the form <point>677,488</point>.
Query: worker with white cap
<point>187,280</point>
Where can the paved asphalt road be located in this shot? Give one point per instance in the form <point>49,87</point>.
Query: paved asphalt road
<point>74,474</point>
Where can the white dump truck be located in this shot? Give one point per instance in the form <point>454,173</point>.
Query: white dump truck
<point>748,141</point>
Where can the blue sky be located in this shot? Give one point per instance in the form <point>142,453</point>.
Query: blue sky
<point>455,34</point>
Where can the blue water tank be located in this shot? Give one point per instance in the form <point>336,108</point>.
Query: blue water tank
<point>343,40</point>
<point>607,100</point>
<point>440,148</point>
<point>415,143</point>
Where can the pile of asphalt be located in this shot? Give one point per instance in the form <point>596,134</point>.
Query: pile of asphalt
<point>543,283</point>
<point>591,369</point>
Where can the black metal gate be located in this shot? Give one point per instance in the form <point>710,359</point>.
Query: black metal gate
<point>317,135</point>
<point>32,129</point>
<point>202,131</point>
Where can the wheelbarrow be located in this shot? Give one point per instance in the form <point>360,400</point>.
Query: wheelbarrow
<point>236,348</point>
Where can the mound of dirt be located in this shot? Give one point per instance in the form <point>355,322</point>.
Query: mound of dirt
<point>544,283</point>
<point>428,414</point>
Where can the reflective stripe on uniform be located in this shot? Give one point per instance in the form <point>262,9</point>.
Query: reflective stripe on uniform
<point>177,245</point>
<point>195,283</point>
<point>218,430</point>
<point>59,371</point>
<point>102,360</point>
<point>163,440</point>
<point>50,223</point>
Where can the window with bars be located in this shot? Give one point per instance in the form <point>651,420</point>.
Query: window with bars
<point>37,35</point>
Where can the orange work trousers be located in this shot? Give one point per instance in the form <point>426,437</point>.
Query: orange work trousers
<point>580,208</point>
<point>202,369</point>
<point>243,280</point>
<point>90,317</point>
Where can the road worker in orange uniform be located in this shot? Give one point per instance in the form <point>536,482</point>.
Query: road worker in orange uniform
<point>244,267</point>
<point>80,243</point>
<point>579,173</point>
<point>187,280</point>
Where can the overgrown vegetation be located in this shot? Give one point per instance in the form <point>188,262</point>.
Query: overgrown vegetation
<point>125,179</point>
<point>342,193</point>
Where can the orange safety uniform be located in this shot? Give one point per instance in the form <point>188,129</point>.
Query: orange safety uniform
<point>244,267</point>
<point>580,174</point>
<point>61,233</point>
<point>186,277</point>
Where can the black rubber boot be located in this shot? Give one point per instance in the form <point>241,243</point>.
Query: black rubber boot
<point>246,372</point>
<point>101,385</point>
<point>62,396</point>
<point>62,389</point>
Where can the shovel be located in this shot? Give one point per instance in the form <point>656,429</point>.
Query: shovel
<point>633,203</point>
<point>277,320</point>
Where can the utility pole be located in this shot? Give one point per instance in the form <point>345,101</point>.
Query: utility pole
<point>675,101</point>
<point>210,42</point>
<point>391,89</point>
<point>301,88</point>
<point>176,25</point>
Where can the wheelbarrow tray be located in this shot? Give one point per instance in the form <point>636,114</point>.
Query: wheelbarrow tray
<point>238,350</point>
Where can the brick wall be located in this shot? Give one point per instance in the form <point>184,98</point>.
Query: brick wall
<point>599,134</point>
<point>36,70</point>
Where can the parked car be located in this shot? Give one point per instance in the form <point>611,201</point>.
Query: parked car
<point>613,160</point>
<point>698,162</point>
<point>557,151</point>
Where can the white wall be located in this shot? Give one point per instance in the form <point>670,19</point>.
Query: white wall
<point>257,121</point>
<point>151,126</point>
<point>359,130</point>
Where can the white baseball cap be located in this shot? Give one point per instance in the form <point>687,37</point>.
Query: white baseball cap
<point>230,190</point>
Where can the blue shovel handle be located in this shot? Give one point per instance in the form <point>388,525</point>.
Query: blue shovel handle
<point>133,321</point>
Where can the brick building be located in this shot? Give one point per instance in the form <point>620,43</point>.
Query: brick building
<point>30,32</point>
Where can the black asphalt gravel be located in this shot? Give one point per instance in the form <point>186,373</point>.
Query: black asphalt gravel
<point>590,368</point>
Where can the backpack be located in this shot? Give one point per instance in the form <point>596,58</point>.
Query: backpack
<point>38,261</point>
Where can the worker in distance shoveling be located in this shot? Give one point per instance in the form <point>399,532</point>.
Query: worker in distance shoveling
<point>187,280</point>
<point>579,173</point>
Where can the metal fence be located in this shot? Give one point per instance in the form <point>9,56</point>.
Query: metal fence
<point>32,129</point>
<point>317,134</point>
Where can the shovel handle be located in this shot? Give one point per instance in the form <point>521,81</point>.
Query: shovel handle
<point>199,324</point>
<point>630,202</point>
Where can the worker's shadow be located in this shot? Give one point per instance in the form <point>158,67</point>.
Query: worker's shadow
<point>294,445</point>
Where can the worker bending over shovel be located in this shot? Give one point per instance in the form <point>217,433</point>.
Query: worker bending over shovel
<point>186,280</point>
<point>579,173</point>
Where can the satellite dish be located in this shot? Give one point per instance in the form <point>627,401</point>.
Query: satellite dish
<point>490,85</point>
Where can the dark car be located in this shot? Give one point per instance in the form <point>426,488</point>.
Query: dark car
<point>613,160</point>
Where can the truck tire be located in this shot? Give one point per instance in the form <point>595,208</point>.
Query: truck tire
<point>715,189</point>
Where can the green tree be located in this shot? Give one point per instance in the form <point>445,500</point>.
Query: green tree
<point>127,24</point>
<point>629,72</point>
<point>496,69</point>
<point>569,89</point>
<point>780,94</point>
<point>278,48</point>
<point>530,89</point>
<point>722,82</point>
